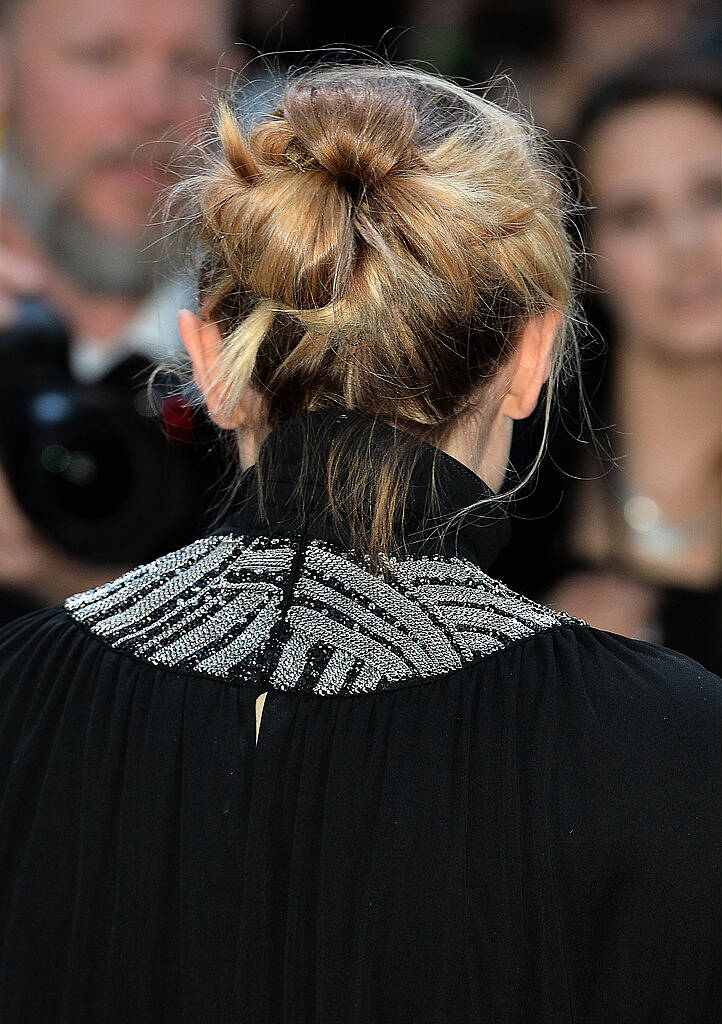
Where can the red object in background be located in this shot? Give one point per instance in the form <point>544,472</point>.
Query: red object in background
<point>177,415</point>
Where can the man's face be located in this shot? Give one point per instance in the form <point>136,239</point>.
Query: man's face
<point>92,85</point>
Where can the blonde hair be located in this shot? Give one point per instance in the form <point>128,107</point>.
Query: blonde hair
<point>377,241</point>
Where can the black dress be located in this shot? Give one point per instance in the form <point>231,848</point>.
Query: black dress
<point>461,805</point>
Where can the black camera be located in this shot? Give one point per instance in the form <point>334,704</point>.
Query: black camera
<point>114,473</point>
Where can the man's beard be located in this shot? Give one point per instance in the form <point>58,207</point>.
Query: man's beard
<point>96,260</point>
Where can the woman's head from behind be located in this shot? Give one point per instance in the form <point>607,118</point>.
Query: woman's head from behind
<point>649,140</point>
<point>381,240</point>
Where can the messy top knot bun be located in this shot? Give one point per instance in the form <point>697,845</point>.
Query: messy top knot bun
<point>377,240</point>
<point>357,134</point>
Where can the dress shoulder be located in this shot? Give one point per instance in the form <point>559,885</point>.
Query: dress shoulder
<point>635,676</point>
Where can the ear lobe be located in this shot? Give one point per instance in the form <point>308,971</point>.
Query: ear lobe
<point>530,365</point>
<point>189,328</point>
<point>202,341</point>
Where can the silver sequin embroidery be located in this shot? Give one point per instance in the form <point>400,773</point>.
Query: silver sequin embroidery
<point>228,606</point>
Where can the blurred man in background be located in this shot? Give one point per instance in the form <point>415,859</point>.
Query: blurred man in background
<point>95,98</point>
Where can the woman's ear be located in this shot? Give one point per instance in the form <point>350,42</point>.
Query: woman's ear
<point>530,365</point>
<point>202,341</point>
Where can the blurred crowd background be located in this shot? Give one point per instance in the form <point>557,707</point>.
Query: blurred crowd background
<point>97,472</point>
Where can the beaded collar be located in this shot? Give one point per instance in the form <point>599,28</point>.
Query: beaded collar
<point>271,608</point>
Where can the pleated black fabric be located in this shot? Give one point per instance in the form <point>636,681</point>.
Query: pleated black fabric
<point>534,836</point>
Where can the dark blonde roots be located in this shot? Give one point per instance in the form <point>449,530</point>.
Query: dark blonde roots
<point>377,241</point>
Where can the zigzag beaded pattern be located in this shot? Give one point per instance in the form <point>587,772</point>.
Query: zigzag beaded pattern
<point>229,606</point>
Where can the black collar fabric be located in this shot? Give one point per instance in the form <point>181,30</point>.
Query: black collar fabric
<point>478,536</point>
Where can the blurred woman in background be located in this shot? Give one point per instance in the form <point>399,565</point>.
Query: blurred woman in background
<point>637,546</point>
